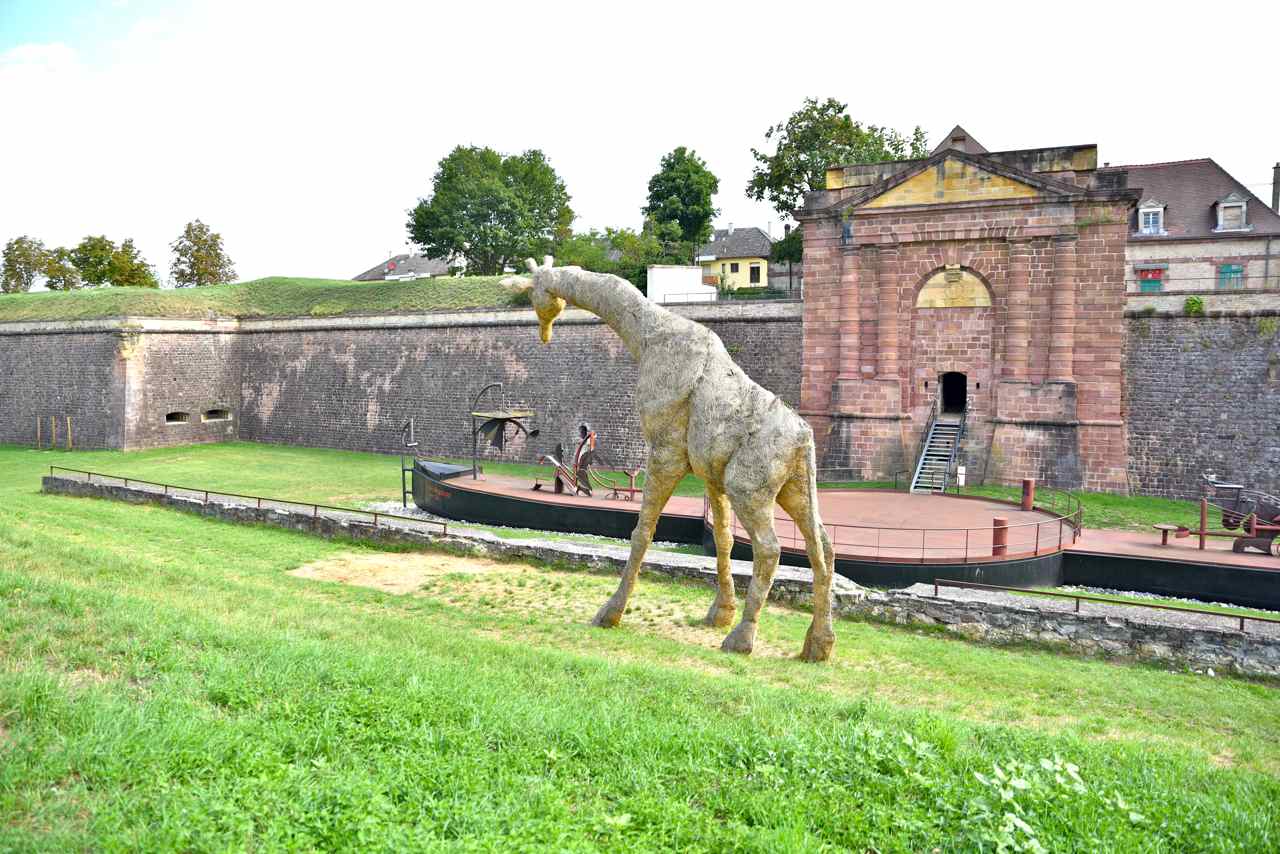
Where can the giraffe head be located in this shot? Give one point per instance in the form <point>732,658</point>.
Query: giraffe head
<point>540,284</point>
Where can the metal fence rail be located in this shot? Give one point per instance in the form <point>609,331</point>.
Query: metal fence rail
<point>945,545</point>
<point>1102,600</point>
<point>256,500</point>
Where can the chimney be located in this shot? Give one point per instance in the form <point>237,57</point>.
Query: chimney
<point>1275,188</point>
<point>731,228</point>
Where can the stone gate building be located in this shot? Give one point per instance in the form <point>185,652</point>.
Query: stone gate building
<point>990,283</point>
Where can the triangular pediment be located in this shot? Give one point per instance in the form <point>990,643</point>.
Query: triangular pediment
<point>951,180</point>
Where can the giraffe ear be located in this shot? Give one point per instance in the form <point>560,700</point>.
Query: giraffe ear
<point>531,264</point>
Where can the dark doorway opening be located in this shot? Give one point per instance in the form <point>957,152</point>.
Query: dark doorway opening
<point>955,391</point>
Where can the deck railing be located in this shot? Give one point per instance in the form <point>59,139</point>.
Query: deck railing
<point>977,544</point>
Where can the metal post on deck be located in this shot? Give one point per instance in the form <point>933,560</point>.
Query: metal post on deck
<point>1028,493</point>
<point>1204,520</point>
<point>999,536</point>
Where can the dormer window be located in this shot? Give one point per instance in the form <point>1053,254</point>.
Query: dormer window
<point>1151,217</point>
<point>1233,213</point>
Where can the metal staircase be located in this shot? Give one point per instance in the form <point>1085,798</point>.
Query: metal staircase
<point>938,450</point>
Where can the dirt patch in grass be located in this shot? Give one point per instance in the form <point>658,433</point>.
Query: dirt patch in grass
<point>480,585</point>
<point>391,573</point>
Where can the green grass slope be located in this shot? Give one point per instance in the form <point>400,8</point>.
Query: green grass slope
<point>167,684</point>
<point>275,296</point>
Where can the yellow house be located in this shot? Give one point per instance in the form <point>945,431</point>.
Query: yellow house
<point>736,258</point>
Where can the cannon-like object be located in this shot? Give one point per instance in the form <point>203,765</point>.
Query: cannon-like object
<point>1254,513</point>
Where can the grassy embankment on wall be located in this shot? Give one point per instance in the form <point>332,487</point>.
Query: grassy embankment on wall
<point>275,296</point>
<point>169,682</point>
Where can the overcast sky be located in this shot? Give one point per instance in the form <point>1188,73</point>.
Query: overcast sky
<point>303,132</point>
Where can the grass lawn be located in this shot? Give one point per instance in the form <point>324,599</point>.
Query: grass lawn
<point>168,682</point>
<point>275,296</point>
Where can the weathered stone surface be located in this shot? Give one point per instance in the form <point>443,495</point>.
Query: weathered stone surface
<point>1203,395</point>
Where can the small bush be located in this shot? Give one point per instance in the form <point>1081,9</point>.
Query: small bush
<point>1193,307</point>
<point>1266,326</point>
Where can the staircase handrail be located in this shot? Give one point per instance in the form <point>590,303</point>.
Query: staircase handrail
<point>924,439</point>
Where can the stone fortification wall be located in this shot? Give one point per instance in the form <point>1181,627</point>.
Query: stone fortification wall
<point>1200,394</point>
<point>1203,395</point>
<point>354,384</point>
<point>351,382</point>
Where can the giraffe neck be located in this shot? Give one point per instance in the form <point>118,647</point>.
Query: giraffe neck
<point>615,301</point>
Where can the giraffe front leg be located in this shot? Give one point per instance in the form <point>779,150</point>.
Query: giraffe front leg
<point>725,605</point>
<point>660,482</point>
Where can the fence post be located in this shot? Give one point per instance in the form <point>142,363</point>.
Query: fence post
<point>39,444</point>
<point>69,443</point>
<point>1204,520</point>
<point>999,536</point>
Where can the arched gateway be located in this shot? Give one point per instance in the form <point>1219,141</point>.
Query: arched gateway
<point>988,282</point>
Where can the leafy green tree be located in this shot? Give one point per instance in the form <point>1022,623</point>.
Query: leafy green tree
<point>817,136</point>
<point>590,250</point>
<point>127,269</point>
<point>198,257</point>
<point>92,257</point>
<point>24,259</point>
<point>655,243</point>
<point>789,248</point>
<point>492,210</point>
<point>681,192</point>
<point>60,271</point>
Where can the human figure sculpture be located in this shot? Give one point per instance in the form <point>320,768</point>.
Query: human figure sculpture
<point>700,412</point>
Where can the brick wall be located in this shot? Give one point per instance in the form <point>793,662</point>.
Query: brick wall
<point>57,375</point>
<point>1203,395</point>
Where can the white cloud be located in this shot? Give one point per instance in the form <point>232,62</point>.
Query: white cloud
<point>303,131</point>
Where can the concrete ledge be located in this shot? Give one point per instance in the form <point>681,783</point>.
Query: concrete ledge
<point>764,311</point>
<point>993,622</point>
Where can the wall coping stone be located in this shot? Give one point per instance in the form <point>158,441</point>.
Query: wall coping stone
<point>742,310</point>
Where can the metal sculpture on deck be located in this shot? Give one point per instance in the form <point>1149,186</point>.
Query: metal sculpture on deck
<point>1252,512</point>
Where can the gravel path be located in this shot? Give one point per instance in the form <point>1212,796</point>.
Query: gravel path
<point>1133,613</point>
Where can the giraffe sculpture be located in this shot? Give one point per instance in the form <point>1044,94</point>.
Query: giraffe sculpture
<point>701,413</point>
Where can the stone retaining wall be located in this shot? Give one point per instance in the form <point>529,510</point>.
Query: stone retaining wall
<point>1222,649</point>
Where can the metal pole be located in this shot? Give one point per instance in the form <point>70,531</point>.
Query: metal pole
<point>69,433</point>
<point>1204,520</point>
<point>38,443</point>
<point>53,432</point>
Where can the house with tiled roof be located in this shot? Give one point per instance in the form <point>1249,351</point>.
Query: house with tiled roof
<point>404,267</point>
<point>1197,229</point>
<point>736,258</point>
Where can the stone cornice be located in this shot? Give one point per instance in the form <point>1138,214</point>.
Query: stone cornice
<point>747,311</point>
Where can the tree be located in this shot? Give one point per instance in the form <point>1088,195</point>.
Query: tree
<point>789,248</point>
<point>814,138</point>
<point>681,192</point>
<point>589,250</point>
<point>198,258</point>
<point>92,257</point>
<point>492,210</point>
<point>24,259</point>
<point>127,269</point>
<point>655,243</point>
<point>60,270</point>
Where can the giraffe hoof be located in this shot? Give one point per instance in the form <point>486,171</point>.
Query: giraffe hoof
<point>740,640</point>
<point>720,615</point>
<point>817,647</point>
<point>608,616</point>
